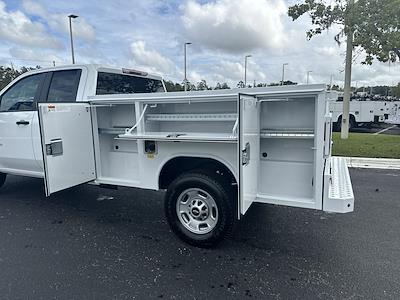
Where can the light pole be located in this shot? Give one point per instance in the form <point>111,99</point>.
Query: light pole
<point>245,69</point>
<point>283,73</point>
<point>70,17</point>
<point>308,76</point>
<point>184,54</point>
<point>344,134</point>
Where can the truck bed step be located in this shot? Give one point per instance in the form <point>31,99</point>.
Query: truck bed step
<point>340,192</point>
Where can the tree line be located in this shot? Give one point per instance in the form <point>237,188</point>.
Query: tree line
<point>7,74</point>
<point>203,85</point>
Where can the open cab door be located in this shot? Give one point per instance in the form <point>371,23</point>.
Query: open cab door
<point>249,150</point>
<point>67,145</point>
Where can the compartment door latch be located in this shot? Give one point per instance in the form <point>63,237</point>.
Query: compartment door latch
<point>246,155</point>
<point>55,147</point>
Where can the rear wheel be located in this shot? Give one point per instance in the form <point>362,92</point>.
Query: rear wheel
<point>2,178</point>
<point>337,126</point>
<point>352,123</point>
<point>199,207</point>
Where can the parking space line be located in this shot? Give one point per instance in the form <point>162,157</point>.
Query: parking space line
<point>383,130</point>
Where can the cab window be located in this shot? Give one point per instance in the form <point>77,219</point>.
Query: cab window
<point>22,95</point>
<point>64,86</point>
<point>111,83</point>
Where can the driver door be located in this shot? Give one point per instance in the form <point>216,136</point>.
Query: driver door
<point>17,113</point>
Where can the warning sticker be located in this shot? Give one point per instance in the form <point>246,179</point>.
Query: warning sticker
<point>58,108</point>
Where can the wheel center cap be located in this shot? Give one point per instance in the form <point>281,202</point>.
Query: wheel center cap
<point>195,211</point>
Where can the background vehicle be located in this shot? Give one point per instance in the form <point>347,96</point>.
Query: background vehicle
<point>362,113</point>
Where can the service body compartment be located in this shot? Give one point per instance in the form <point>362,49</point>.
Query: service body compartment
<point>274,141</point>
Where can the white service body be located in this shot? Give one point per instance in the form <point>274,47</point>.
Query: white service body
<point>275,141</point>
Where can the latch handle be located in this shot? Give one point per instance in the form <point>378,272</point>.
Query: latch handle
<point>246,155</point>
<point>55,147</point>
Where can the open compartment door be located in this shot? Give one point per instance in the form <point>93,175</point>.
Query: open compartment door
<point>67,145</point>
<point>249,150</point>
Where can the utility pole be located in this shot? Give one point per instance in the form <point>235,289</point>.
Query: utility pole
<point>184,62</point>
<point>245,69</point>
<point>308,75</point>
<point>70,17</point>
<point>283,73</point>
<point>347,78</point>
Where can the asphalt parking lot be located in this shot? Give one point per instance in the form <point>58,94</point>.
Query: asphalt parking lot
<point>379,128</point>
<point>79,244</point>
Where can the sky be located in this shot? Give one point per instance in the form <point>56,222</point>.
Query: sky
<point>149,35</point>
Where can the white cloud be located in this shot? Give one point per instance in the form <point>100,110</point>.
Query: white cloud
<point>222,32</point>
<point>378,74</point>
<point>59,22</point>
<point>34,8</point>
<point>233,72</point>
<point>37,56</point>
<point>327,50</point>
<point>150,59</point>
<point>17,28</point>
<point>236,25</point>
<point>195,77</point>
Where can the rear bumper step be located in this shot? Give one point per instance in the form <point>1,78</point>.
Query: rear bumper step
<point>338,191</point>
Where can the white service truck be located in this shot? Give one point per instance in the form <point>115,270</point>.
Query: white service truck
<point>214,152</point>
<point>361,113</point>
<point>394,115</point>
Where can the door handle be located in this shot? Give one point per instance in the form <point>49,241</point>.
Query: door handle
<point>22,122</point>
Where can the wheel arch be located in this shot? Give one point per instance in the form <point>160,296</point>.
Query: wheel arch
<point>179,164</point>
<point>351,116</point>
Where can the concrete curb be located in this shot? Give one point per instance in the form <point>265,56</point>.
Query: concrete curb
<point>373,163</point>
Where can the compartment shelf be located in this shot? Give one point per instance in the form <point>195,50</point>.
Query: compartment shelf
<point>304,133</point>
<point>192,117</point>
<point>180,137</point>
<point>114,130</point>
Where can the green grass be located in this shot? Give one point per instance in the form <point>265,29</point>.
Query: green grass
<point>367,145</point>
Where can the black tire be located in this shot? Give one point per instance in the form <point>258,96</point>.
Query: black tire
<point>337,126</point>
<point>2,178</point>
<point>352,123</point>
<point>223,196</point>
